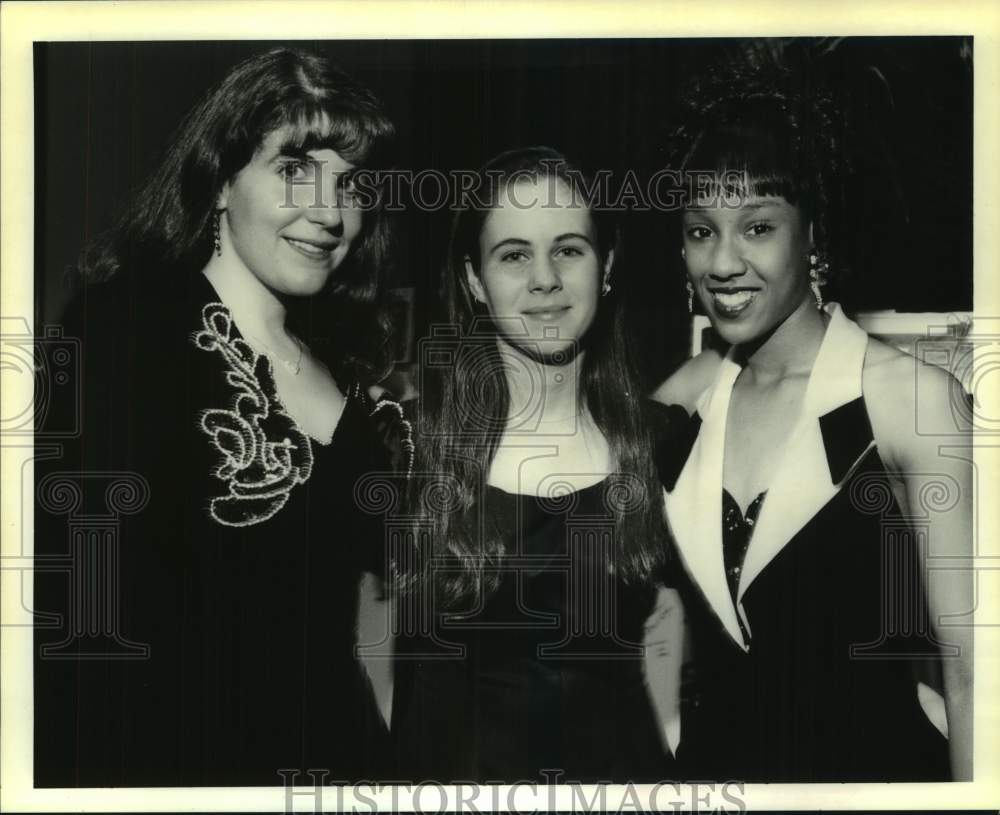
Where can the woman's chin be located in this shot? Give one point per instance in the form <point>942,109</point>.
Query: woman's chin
<point>302,286</point>
<point>736,331</point>
<point>547,350</point>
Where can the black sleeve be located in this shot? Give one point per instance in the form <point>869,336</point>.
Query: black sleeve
<point>377,445</point>
<point>394,424</point>
<point>671,429</point>
<point>674,432</point>
<point>82,475</point>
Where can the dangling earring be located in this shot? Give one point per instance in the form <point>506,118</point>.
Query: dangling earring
<point>690,289</point>
<point>217,232</point>
<point>607,286</point>
<point>817,276</point>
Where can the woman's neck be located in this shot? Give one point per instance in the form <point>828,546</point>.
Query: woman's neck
<point>540,393</point>
<point>790,349</point>
<point>256,309</point>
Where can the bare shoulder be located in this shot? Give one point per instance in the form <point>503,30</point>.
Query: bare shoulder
<point>690,381</point>
<point>887,368</point>
<point>910,402</point>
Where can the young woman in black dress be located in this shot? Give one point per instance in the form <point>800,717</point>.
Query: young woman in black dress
<point>537,503</point>
<point>229,330</point>
<point>803,498</point>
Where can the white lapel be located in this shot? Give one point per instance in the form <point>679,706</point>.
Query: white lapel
<point>803,484</point>
<point>694,506</point>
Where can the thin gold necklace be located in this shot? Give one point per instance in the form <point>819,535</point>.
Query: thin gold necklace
<point>292,367</point>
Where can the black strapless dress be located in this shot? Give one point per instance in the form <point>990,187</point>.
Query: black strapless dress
<point>544,681</point>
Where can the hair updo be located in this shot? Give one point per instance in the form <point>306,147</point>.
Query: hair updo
<point>765,121</point>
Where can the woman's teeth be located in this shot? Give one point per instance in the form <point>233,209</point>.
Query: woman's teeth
<point>730,303</point>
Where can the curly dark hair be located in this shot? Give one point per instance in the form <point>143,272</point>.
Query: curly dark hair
<point>770,118</point>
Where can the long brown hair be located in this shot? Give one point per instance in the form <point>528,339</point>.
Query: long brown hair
<point>465,403</point>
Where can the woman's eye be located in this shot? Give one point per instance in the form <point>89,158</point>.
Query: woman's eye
<point>293,170</point>
<point>515,256</point>
<point>760,228</point>
<point>347,184</point>
<point>698,233</point>
<point>569,252</point>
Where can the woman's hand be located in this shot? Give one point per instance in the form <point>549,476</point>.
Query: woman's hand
<point>663,644</point>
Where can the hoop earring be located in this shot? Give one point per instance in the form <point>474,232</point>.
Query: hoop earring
<point>818,269</point>
<point>217,232</point>
<point>690,290</point>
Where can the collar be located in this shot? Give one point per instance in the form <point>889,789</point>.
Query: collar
<point>829,439</point>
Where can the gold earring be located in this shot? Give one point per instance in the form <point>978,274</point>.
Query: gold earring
<point>818,269</point>
<point>217,232</point>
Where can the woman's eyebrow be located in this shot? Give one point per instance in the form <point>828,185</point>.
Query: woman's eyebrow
<point>292,150</point>
<point>571,235</point>
<point>757,205</point>
<point>509,241</point>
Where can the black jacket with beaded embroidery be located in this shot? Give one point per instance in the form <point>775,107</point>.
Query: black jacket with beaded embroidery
<point>198,559</point>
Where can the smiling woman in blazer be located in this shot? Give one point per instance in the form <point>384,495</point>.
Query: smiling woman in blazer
<point>807,597</point>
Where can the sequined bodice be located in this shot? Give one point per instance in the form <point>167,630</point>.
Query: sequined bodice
<point>737,529</point>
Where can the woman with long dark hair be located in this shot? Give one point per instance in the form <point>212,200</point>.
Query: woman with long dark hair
<point>536,504</point>
<point>805,483</point>
<point>230,327</point>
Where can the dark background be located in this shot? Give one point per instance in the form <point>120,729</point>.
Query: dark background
<point>104,112</point>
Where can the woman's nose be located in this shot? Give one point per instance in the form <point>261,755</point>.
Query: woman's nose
<point>544,277</point>
<point>727,259</point>
<point>325,208</point>
<point>327,215</point>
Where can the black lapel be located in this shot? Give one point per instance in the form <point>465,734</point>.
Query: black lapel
<point>847,432</point>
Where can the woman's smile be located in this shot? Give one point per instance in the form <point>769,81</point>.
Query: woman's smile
<point>314,250</point>
<point>730,303</point>
<point>547,314</point>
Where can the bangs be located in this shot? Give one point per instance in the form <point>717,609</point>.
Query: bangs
<point>733,164</point>
<point>354,136</point>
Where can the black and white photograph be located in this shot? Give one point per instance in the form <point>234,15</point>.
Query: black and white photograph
<point>498,421</point>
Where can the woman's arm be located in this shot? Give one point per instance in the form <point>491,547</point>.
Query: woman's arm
<point>921,441</point>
